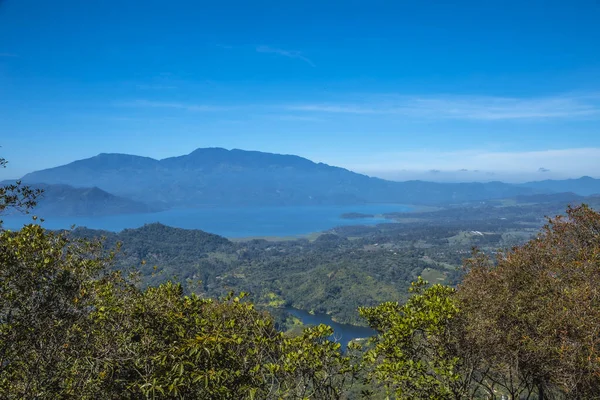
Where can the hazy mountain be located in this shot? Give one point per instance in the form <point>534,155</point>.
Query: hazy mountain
<point>65,200</point>
<point>583,186</point>
<point>564,198</point>
<point>236,177</point>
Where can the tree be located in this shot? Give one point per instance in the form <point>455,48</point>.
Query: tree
<point>72,327</point>
<point>159,343</point>
<point>524,326</point>
<point>16,195</point>
<point>418,352</point>
<point>45,297</point>
<point>535,313</point>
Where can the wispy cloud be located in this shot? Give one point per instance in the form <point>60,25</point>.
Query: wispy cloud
<point>485,108</point>
<point>473,108</point>
<point>343,109</point>
<point>177,106</point>
<point>285,53</point>
<point>8,55</point>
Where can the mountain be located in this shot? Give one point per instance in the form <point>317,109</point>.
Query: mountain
<point>563,198</point>
<point>215,176</point>
<point>67,201</point>
<point>583,186</point>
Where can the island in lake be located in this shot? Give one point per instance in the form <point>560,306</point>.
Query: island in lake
<point>356,215</point>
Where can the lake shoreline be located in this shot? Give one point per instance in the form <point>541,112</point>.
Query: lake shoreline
<point>274,223</point>
<point>343,333</point>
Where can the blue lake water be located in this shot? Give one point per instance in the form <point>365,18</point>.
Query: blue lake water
<point>233,222</point>
<point>342,333</point>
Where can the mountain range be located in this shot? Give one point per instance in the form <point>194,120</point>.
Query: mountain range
<point>216,176</point>
<point>584,186</point>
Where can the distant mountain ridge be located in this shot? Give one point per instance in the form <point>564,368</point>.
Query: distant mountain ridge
<point>563,198</point>
<point>584,186</point>
<point>66,201</point>
<point>216,176</point>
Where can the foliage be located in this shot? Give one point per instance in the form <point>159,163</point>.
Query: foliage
<point>71,328</point>
<point>417,353</point>
<point>526,326</point>
<point>45,295</point>
<point>16,196</point>
<point>174,346</point>
<point>536,313</point>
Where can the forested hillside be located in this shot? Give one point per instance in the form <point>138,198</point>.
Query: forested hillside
<point>334,272</point>
<point>521,324</point>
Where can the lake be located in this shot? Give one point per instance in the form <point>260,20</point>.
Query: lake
<point>342,333</point>
<point>232,222</point>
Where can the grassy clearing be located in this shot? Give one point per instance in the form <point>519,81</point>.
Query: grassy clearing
<point>445,265</point>
<point>433,275</point>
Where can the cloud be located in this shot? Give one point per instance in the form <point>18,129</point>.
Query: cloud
<point>285,53</point>
<point>177,106</point>
<point>483,108</point>
<point>515,166</point>
<point>342,109</point>
<point>8,55</point>
<point>472,108</point>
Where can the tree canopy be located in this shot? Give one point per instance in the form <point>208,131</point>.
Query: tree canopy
<point>16,196</point>
<point>535,314</point>
<point>526,325</point>
<point>71,327</point>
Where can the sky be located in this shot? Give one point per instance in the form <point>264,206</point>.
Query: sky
<point>436,90</point>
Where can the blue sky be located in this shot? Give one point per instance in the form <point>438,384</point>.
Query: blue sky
<point>482,90</point>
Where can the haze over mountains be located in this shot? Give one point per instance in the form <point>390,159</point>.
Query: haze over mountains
<point>214,176</point>
<point>584,186</point>
<point>62,200</point>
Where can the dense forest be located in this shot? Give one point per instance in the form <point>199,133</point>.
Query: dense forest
<point>335,273</point>
<point>153,317</point>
